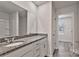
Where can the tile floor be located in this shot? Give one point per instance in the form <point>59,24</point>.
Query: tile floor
<point>64,50</point>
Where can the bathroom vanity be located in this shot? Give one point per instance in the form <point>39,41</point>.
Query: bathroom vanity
<point>27,46</point>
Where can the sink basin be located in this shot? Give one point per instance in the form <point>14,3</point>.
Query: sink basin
<point>14,44</point>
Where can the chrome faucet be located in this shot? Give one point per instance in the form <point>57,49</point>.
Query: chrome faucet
<point>9,40</point>
<point>13,38</point>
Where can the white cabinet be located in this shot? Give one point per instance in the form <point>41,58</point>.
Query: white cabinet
<point>43,47</point>
<point>36,52</point>
<point>35,49</point>
<point>28,54</point>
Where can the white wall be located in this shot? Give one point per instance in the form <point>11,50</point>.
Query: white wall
<point>76,41</point>
<point>4,24</point>
<point>14,24</point>
<point>54,28</point>
<point>63,4</point>
<point>45,22</point>
<point>31,23</point>
<point>23,23</point>
<point>4,15</point>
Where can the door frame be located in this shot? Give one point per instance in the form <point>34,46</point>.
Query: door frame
<point>72,15</point>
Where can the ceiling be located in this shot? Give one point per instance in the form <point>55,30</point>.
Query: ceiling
<point>8,7</point>
<point>60,4</point>
<point>38,3</point>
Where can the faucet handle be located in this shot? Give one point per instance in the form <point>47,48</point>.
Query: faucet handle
<point>7,40</point>
<point>13,38</point>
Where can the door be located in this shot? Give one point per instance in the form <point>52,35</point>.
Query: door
<point>65,33</point>
<point>65,28</point>
<point>68,29</point>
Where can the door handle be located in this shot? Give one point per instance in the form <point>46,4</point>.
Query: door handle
<point>44,45</point>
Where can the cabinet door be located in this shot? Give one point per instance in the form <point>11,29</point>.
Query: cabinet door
<point>36,52</point>
<point>43,47</point>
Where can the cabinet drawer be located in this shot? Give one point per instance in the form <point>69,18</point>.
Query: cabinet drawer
<point>28,54</point>
<point>36,44</point>
<point>36,51</point>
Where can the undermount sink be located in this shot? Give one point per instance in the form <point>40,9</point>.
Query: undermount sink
<point>14,44</point>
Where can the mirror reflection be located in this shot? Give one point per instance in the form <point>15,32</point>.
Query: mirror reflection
<point>12,19</point>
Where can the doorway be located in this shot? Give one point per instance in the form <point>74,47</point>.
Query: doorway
<point>65,32</point>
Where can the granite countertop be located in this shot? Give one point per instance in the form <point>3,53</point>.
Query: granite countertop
<point>25,40</point>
